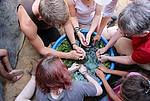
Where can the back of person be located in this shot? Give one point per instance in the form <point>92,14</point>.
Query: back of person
<point>77,92</point>
<point>47,33</point>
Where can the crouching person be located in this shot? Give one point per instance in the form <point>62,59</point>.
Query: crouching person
<point>53,82</point>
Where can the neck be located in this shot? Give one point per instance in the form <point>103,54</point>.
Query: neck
<point>55,93</point>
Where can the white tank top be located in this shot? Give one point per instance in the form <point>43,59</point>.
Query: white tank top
<point>84,14</point>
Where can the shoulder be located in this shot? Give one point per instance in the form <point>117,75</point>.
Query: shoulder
<point>24,19</point>
<point>70,2</point>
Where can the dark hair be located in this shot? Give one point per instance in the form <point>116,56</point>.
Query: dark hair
<point>135,88</point>
<point>54,12</point>
<point>52,74</point>
<point>135,18</point>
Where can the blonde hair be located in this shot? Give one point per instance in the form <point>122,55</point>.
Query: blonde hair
<point>54,12</point>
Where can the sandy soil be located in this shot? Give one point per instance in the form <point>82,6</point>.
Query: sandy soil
<point>26,61</point>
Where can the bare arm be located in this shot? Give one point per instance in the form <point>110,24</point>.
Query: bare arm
<point>109,90</point>
<point>114,72</point>
<point>96,19</point>
<point>113,39</point>
<point>122,59</point>
<point>28,91</point>
<point>83,71</point>
<point>96,84</point>
<point>72,11</point>
<point>102,25</point>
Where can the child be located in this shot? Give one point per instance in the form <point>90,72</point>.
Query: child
<point>6,70</point>
<point>134,87</point>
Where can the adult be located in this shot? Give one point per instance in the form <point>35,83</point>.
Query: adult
<point>132,39</point>
<point>87,14</point>
<point>54,83</point>
<point>36,18</point>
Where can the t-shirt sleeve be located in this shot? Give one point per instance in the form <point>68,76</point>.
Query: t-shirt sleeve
<point>87,89</point>
<point>141,55</point>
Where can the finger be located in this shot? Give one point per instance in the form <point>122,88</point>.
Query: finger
<point>79,51</point>
<point>94,41</point>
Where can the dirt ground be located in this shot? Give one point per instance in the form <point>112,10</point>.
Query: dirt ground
<point>26,61</point>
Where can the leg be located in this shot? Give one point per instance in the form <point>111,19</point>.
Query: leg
<point>28,91</point>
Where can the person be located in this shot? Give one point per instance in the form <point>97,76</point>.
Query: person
<point>54,82</point>
<point>6,70</point>
<point>37,18</point>
<point>134,86</point>
<point>86,14</point>
<point>132,37</point>
<point>107,14</point>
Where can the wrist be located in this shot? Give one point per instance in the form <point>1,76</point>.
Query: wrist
<point>77,30</point>
<point>73,45</point>
<point>85,74</point>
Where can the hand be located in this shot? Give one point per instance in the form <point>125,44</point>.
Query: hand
<point>83,70</point>
<point>100,74</point>
<point>75,55</point>
<point>74,67</point>
<point>100,51</point>
<point>88,38</point>
<point>103,58</point>
<point>82,38</point>
<point>96,38</point>
<point>79,50</point>
<point>104,69</point>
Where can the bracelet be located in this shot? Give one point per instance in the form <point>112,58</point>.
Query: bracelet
<point>73,44</point>
<point>77,29</point>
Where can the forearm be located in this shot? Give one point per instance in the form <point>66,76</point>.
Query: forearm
<point>95,83</point>
<point>110,91</point>
<point>94,24</point>
<point>113,39</point>
<point>28,91</point>
<point>70,32</point>
<point>102,25</point>
<point>74,21</point>
<point>117,72</point>
<point>122,59</point>
<point>60,54</point>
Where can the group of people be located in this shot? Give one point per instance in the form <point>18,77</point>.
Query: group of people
<point>52,80</point>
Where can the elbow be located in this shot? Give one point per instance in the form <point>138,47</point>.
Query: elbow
<point>99,90</point>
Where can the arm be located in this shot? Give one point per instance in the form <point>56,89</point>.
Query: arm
<point>102,25</point>
<point>113,39</point>
<point>111,42</point>
<point>72,11</point>
<point>114,72</point>
<point>74,20</point>
<point>109,90</point>
<point>28,91</point>
<point>119,59</point>
<point>96,19</point>
<point>95,83</point>
<point>83,71</point>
